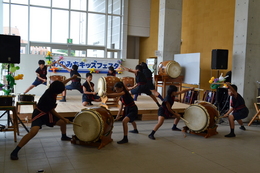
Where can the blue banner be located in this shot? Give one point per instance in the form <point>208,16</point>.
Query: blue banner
<point>85,65</point>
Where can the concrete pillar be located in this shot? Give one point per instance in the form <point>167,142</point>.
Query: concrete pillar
<point>169,36</point>
<point>246,51</point>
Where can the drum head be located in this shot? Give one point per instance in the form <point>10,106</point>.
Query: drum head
<point>198,118</point>
<point>101,86</point>
<point>173,69</point>
<point>91,126</point>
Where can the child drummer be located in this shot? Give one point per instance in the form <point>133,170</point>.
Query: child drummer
<point>141,85</point>
<point>165,110</point>
<point>89,94</point>
<point>130,109</point>
<point>45,114</point>
<point>237,111</point>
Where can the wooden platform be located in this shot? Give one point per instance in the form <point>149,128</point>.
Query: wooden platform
<point>147,108</point>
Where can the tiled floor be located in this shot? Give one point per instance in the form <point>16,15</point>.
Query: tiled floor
<point>170,152</point>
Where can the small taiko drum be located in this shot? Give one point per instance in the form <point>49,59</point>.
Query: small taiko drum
<point>106,85</point>
<point>201,116</point>
<point>57,77</point>
<point>128,81</point>
<point>26,97</point>
<point>169,68</point>
<point>7,100</point>
<point>94,123</point>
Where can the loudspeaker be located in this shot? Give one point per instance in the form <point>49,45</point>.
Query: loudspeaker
<point>10,49</point>
<point>219,59</point>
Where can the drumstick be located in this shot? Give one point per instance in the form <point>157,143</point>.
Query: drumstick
<point>184,120</point>
<point>75,124</point>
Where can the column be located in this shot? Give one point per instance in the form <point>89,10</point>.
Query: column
<point>169,36</point>
<point>246,51</point>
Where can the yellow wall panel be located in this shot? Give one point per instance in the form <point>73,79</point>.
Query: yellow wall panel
<point>206,25</point>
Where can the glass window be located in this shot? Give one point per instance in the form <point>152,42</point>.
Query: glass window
<point>6,19</point>
<point>60,3</point>
<point>93,53</point>
<point>78,27</point>
<point>96,29</point>
<point>19,22</point>
<point>39,50</point>
<point>79,5</point>
<point>41,3</point>
<point>114,6</point>
<point>40,28</point>
<point>79,53</point>
<point>113,35</point>
<point>56,21</point>
<point>19,1</point>
<point>60,24</point>
<point>97,6</point>
<point>59,52</point>
<point>112,55</point>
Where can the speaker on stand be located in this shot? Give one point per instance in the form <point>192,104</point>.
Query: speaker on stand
<point>219,60</point>
<point>10,54</point>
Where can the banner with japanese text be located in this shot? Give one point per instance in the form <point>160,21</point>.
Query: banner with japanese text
<point>85,65</point>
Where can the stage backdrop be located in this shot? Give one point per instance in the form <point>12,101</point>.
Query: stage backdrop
<point>29,63</point>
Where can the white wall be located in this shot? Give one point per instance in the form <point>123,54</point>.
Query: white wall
<point>139,18</point>
<point>29,63</point>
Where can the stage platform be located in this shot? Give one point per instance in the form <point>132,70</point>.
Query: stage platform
<point>147,108</point>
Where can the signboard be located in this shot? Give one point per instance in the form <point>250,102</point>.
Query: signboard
<point>85,65</point>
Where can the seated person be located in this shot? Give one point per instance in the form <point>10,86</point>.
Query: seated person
<point>88,92</point>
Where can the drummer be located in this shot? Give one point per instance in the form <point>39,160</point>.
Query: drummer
<point>148,74</point>
<point>45,114</point>
<point>88,92</point>
<point>130,109</point>
<point>75,83</point>
<point>141,85</point>
<point>41,73</point>
<point>111,71</point>
<point>165,111</point>
<point>237,111</point>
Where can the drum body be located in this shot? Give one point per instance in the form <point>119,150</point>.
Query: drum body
<point>169,68</point>
<point>95,122</point>
<point>128,81</point>
<point>7,100</point>
<point>26,97</point>
<point>106,85</point>
<point>201,116</point>
<point>57,77</point>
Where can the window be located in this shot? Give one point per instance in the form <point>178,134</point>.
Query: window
<point>94,26</point>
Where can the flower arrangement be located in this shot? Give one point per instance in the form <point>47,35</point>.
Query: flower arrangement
<point>215,82</point>
<point>10,77</point>
<point>49,57</point>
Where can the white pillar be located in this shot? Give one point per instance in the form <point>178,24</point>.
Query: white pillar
<point>169,36</point>
<point>246,51</point>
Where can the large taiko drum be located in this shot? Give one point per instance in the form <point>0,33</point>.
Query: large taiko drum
<point>57,77</point>
<point>201,116</point>
<point>26,97</point>
<point>169,68</point>
<point>95,122</point>
<point>128,81</point>
<point>106,85</point>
